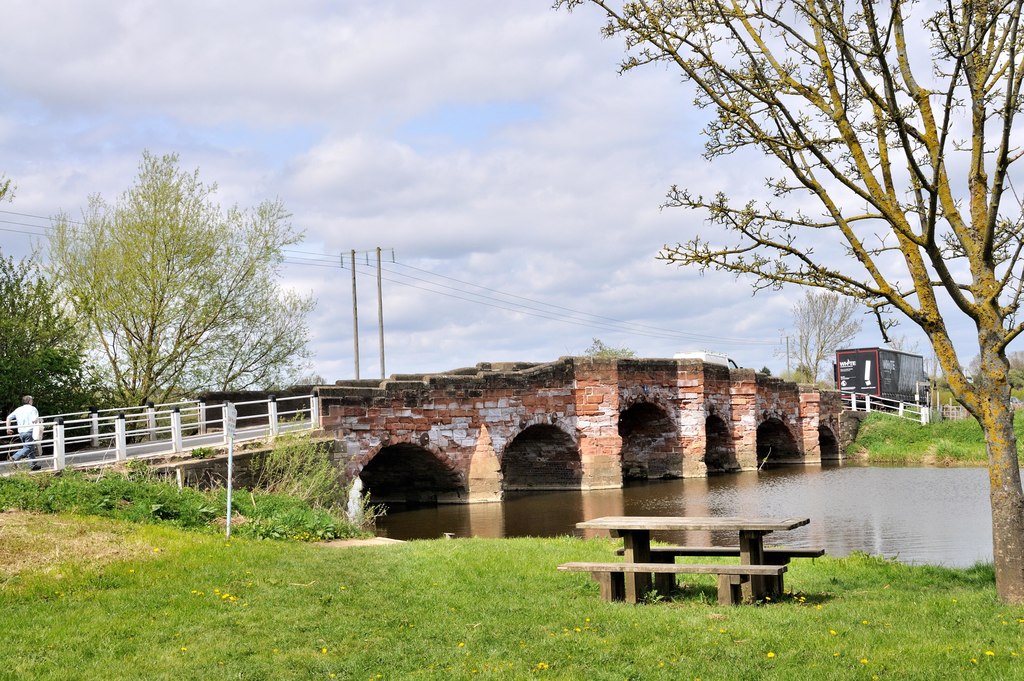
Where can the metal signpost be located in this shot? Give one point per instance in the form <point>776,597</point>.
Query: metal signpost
<point>230,421</point>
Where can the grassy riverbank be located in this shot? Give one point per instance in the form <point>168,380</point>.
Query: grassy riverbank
<point>91,598</point>
<point>885,439</point>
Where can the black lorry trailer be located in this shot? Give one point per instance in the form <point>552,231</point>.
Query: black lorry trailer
<point>883,373</point>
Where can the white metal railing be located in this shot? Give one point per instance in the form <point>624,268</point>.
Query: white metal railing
<point>102,436</point>
<point>907,410</point>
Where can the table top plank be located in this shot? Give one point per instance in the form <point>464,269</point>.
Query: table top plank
<point>616,524</point>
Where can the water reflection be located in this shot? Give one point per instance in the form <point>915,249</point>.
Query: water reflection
<point>922,515</point>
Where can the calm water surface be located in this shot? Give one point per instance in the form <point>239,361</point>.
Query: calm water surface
<point>918,515</point>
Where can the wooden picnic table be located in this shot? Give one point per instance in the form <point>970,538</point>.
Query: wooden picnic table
<point>636,539</point>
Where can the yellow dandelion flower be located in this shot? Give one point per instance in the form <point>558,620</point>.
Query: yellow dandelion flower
<point>183,649</point>
<point>990,653</point>
<point>156,550</point>
<point>323,650</point>
<point>833,632</point>
<point>462,644</point>
<point>865,622</point>
<point>771,654</point>
<point>863,660</point>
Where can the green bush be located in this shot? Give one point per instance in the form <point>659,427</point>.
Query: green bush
<point>299,467</point>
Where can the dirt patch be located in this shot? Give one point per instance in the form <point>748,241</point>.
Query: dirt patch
<point>47,544</point>
<point>372,541</point>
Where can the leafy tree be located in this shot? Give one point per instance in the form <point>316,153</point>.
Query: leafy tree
<point>893,127</point>
<point>824,321</point>
<point>42,351</point>
<point>178,294</point>
<point>766,371</point>
<point>599,350</point>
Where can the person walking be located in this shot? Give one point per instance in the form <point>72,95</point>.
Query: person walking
<point>26,417</point>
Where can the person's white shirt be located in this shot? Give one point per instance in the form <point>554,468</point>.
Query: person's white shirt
<point>26,415</point>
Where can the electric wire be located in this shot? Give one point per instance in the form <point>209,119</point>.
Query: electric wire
<point>530,307</point>
<point>555,314</point>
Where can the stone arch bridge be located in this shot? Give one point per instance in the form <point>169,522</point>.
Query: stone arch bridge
<point>470,435</point>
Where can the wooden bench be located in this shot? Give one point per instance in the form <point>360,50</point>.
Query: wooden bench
<point>773,555</point>
<point>611,576</point>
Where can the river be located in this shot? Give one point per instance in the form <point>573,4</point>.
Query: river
<point>917,515</point>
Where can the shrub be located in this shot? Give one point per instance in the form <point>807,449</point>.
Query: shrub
<point>298,467</point>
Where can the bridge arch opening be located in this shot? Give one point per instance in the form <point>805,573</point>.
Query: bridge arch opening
<point>407,473</point>
<point>719,448</point>
<point>541,457</point>
<point>828,445</point>
<point>776,443</point>
<point>650,443</point>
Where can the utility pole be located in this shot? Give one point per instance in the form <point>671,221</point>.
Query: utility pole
<point>380,316</point>
<point>355,314</point>
<point>355,306</point>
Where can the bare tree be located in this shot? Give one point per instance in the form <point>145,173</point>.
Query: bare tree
<point>824,321</point>
<point>893,128</point>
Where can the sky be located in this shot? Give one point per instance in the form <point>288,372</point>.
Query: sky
<point>511,176</point>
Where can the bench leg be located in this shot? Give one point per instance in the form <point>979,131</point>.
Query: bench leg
<point>664,582</point>
<point>776,585</point>
<point>613,585</point>
<point>730,589</point>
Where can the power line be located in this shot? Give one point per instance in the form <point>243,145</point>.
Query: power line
<point>550,312</point>
<point>500,300</point>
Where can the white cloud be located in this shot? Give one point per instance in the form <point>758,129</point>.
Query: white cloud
<point>490,142</point>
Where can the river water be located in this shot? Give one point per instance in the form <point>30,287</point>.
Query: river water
<point>917,515</point>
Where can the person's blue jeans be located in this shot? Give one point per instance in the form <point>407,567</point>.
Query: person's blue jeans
<point>28,447</point>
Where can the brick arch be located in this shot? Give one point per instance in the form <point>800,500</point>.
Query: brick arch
<point>828,443</point>
<point>541,456</point>
<point>719,445</point>
<point>407,472</point>
<point>650,441</point>
<point>776,442</point>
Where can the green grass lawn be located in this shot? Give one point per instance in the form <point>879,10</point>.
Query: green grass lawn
<point>89,598</point>
<point>887,439</point>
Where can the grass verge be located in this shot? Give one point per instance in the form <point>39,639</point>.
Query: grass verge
<point>887,439</point>
<point>177,605</point>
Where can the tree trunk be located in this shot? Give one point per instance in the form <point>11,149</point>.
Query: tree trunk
<point>1006,496</point>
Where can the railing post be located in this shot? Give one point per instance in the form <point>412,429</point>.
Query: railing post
<point>151,421</point>
<point>120,438</point>
<point>314,412</point>
<point>176,441</point>
<point>58,444</point>
<point>202,417</point>
<point>901,409</point>
<point>272,415</point>
<point>94,419</point>
<point>867,403</point>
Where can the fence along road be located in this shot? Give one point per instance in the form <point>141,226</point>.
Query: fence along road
<point>99,437</point>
